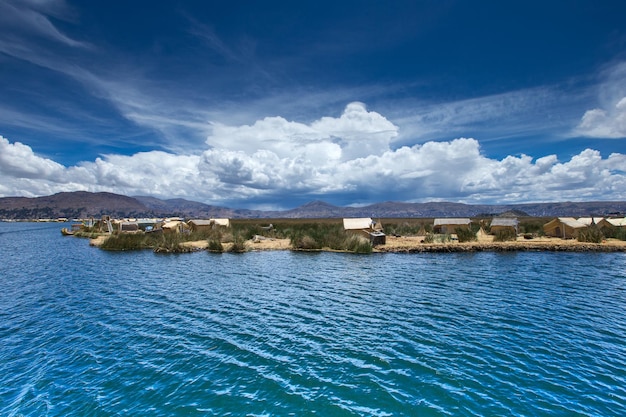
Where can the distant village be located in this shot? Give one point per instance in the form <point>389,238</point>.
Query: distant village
<point>560,227</point>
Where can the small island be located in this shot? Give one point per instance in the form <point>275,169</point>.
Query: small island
<point>363,235</point>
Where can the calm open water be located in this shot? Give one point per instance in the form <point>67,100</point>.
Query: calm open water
<point>85,332</point>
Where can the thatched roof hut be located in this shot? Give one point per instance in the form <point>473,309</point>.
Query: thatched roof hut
<point>450,225</point>
<point>563,227</point>
<point>207,224</point>
<point>198,225</point>
<point>174,226</point>
<point>221,222</point>
<point>504,224</point>
<point>600,222</point>
<point>366,227</point>
<point>129,226</point>
<point>621,222</point>
<point>358,224</point>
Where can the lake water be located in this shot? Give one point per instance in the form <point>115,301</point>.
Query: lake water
<point>86,332</point>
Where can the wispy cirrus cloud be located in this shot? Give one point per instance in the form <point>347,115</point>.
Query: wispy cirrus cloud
<point>21,20</point>
<point>28,34</point>
<point>548,110</point>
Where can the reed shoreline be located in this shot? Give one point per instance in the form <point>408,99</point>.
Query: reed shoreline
<point>415,244</point>
<point>504,247</point>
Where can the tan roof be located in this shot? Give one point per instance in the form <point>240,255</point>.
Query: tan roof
<point>201,222</point>
<point>617,222</point>
<point>441,222</point>
<point>590,220</point>
<point>221,222</point>
<point>572,222</point>
<point>504,221</point>
<point>171,224</point>
<point>357,224</point>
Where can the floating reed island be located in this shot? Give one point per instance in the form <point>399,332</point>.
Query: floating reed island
<point>410,245</point>
<point>363,235</point>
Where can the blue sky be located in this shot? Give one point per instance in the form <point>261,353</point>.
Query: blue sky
<point>274,104</point>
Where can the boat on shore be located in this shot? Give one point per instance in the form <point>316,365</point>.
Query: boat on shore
<point>76,227</point>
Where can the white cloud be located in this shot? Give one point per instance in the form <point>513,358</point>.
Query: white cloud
<point>357,133</point>
<point>608,119</point>
<point>349,156</point>
<point>18,160</point>
<point>599,123</point>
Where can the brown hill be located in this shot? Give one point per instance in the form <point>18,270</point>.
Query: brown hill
<point>79,204</point>
<point>184,208</point>
<point>83,204</point>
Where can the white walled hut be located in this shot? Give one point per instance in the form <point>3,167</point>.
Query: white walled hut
<point>449,226</point>
<point>367,227</point>
<point>563,227</point>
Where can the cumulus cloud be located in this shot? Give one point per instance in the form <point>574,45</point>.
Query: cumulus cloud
<point>600,123</point>
<point>357,133</point>
<point>18,160</point>
<point>347,157</point>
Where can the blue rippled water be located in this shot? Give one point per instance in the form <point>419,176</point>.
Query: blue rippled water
<point>92,333</point>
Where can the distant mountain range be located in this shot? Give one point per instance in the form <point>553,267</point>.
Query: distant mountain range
<point>82,204</point>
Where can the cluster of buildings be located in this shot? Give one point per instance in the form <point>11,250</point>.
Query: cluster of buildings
<point>569,227</point>
<point>562,227</point>
<point>167,225</point>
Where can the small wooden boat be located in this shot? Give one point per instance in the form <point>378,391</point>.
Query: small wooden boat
<point>66,232</point>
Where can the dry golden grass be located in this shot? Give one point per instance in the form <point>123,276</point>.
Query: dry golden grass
<point>277,240</point>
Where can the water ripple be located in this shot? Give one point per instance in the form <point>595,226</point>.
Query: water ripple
<point>86,332</point>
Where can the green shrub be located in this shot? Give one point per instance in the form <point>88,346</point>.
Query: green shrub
<point>172,243</point>
<point>239,244</point>
<point>505,236</point>
<point>404,229</point>
<point>315,236</point>
<point>465,235</point>
<point>129,241</point>
<point>86,234</point>
<point>304,242</point>
<point>159,242</point>
<point>614,232</point>
<point>358,244</point>
<point>215,246</point>
<point>532,226</point>
<point>590,235</point>
<point>444,238</point>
